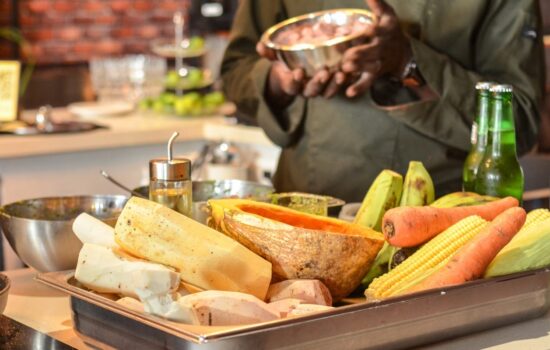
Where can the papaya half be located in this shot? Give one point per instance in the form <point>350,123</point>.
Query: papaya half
<point>300,245</point>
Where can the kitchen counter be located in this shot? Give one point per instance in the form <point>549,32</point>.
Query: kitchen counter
<point>48,311</point>
<point>69,164</point>
<point>134,129</point>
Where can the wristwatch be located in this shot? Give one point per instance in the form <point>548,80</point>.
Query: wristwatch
<point>411,76</point>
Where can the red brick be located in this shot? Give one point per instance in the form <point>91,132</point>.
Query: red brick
<point>133,18</point>
<point>83,18</point>
<point>143,5</point>
<point>109,47</point>
<point>122,32</point>
<point>70,33</point>
<point>36,35</point>
<point>29,20</point>
<point>120,5</point>
<point>138,46</point>
<point>171,5</point>
<point>94,5</point>
<point>56,19</point>
<point>38,6</point>
<point>148,31</point>
<point>105,19</point>
<point>98,32</point>
<point>64,6</point>
<point>162,16</point>
<point>83,48</point>
<point>53,53</point>
<point>34,50</point>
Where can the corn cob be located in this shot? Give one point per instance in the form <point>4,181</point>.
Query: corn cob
<point>535,216</point>
<point>528,250</point>
<point>434,253</point>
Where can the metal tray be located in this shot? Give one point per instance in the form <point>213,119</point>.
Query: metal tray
<point>395,323</point>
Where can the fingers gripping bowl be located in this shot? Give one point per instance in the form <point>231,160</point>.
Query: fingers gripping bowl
<point>319,39</point>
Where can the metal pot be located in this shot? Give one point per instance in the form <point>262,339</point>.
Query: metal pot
<point>205,190</point>
<point>40,230</point>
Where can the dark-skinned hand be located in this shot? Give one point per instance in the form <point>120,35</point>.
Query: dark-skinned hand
<point>385,50</point>
<point>284,84</point>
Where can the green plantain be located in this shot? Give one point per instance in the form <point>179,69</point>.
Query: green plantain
<point>461,199</point>
<point>383,194</point>
<point>418,188</point>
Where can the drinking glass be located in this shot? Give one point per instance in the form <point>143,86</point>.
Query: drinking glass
<point>129,78</point>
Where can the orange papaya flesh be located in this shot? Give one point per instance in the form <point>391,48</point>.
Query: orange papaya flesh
<point>296,219</point>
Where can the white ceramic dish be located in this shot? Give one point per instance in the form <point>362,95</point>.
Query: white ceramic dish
<point>100,109</point>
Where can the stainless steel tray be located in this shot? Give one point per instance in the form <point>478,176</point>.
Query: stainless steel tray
<point>395,323</point>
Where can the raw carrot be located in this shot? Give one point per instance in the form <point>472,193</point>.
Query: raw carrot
<point>471,261</point>
<point>412,226</point>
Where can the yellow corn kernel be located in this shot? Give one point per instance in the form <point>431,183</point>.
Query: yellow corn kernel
<point>535,216</point>
<point>437,250</point>
<point>526,252</point>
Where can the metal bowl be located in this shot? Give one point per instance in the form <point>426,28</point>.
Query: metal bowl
<point>40,230</point>
<point>209,189</point>
<point>4,291</point>
<point>314,56</point>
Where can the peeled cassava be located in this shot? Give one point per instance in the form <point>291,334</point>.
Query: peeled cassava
<point>204,257</point>
<point>300,245</point>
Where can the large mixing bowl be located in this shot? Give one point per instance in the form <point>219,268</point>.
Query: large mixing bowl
<point>209,189</point>
<point>4,290</point>
<point>40,230</point>
<point>320,52</point>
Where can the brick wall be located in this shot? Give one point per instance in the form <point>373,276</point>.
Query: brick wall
<point>6,48</point>
<point>71,31</point>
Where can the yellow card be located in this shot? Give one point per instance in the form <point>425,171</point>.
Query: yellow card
<point>9,89</point>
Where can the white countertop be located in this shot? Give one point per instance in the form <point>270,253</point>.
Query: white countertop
<point>48,311</point>
<point>136,128</point>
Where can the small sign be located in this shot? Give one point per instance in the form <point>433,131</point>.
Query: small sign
<point>9,90</point>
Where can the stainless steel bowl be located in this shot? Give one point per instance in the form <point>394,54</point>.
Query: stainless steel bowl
<point>312,57</point>
<point>4,291</point>
<point>40,230</point>
<point>205,190</point>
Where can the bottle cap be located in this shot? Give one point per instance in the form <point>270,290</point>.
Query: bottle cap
<point>485,85</point>
<point>170,169</point>
<point>178,169</point>
<point>502,88</point>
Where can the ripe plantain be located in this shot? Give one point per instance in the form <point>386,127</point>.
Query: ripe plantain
<point>461,199</point>
<point>418,188</point>
<point>383,194</point>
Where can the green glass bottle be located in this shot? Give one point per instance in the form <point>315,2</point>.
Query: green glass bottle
<point>478,136</point>
<point>499,173</point>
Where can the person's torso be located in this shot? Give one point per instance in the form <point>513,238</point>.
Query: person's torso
<point>346,143</point>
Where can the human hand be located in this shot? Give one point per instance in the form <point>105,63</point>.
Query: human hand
<point>282,84</point>
<point>285,83</point>
<point>386,50</point>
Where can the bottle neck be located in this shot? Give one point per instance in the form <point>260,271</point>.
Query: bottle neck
<point>480,126</point>
<point>501,133</point>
